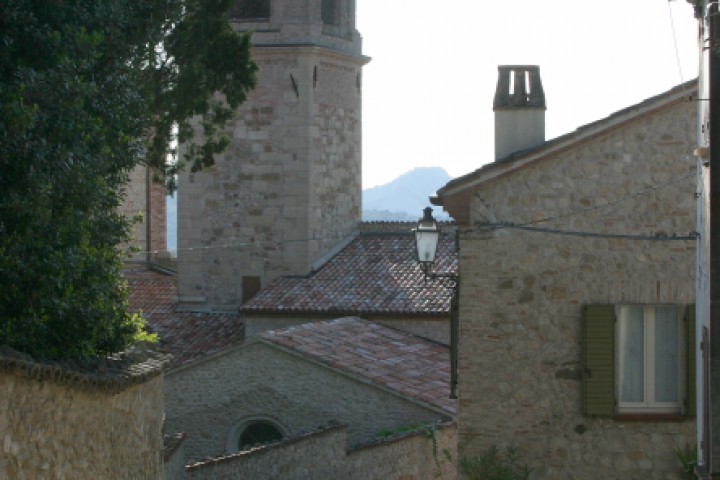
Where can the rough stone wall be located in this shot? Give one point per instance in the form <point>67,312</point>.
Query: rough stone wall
<point>322,454</point>
<point>158,218</point>
<point>174,457</point>
<point>208,399</point>
<point>437,329</point>
<point>287,189</point>
<point>54,431</point>
<point>522,293</point>
<point>135,202</point>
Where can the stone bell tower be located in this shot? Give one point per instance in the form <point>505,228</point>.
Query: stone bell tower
<point>288,189</point>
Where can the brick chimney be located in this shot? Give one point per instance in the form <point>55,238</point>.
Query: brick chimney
<point>519,108</point>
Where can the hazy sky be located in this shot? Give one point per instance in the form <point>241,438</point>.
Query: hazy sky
<point>428,91</point>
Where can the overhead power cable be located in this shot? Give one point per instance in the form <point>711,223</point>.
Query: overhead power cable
<point>575,233</point>
<point>609,204</point>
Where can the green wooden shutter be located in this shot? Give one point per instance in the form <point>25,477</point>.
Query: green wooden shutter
<point>598,360</point>
<point>691,394</point>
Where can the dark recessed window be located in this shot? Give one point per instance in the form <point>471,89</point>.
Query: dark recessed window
<point>250,9</point>
<point>330,12</point>
<point>250,287</point>
<point>258,433</point>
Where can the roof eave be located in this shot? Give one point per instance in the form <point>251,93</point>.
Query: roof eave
<point>454,197</point>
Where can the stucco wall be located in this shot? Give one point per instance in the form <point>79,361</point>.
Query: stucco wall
<point>522,293</point>
<point>55,431</point>
<point>322,455</point>
<point>208,399</point>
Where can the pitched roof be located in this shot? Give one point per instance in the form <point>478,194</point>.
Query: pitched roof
<point>399,361</point>
<point>376,274</point>
<point>188,336</point>
<point>454,195</point>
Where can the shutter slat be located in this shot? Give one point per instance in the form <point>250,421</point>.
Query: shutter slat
<point>598,359</point>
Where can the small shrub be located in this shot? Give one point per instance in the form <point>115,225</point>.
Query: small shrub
<point>494,465</point>
<point>687,455</point>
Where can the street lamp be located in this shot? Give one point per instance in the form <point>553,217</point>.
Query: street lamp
<point>427,236</point>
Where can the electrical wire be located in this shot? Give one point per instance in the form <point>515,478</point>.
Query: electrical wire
<point>526,226</point>
<point>575,233</point>
<point>609,204</point>
<point>675,43</point>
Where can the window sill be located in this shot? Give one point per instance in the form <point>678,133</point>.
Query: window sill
<point>650,417</point>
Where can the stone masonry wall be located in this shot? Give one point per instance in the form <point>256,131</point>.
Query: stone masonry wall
<point>135,202</point>
<point>288,187</point>
<point>209,399</point>
<point>522,293</point>
<point>322,454</point>
<point>54,431</point>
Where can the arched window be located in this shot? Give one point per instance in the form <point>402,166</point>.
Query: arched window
<point>250,9</point>
<point>258,433</point>
<point>254,430</point>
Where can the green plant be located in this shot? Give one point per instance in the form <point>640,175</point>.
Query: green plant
<point>493,464</point>
<point>687,455</point>
<point>88,91</point>
<point>430,431</point>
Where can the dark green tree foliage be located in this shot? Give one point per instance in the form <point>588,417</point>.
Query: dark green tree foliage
<point>88,90</point>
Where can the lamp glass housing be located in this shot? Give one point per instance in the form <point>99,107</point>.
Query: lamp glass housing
<point>427,236</point>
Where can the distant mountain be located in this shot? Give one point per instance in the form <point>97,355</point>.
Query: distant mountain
<point>404,198</point>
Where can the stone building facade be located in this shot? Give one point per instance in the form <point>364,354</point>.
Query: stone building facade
<point>428,453</point>
<point>288,189</point>
<point>602,216</point>
<point>297,379</point>
<point>145,199</point>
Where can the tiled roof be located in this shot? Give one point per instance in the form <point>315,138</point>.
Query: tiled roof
<point>410,365</point>
<point>189,336</point>
<point>376,274</point>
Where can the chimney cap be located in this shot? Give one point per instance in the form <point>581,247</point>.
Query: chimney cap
<point>527,91</point>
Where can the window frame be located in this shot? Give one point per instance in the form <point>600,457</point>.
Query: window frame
<point>648,404</point>
<point>598,365</point>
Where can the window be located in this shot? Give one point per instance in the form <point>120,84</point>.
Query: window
<point>258,433</point>
<point>330,11</point>
<point>254,430</point>
<point>250,9</point>
<point>648,358</point>
<point>250,287</point>
<point>638,359</point>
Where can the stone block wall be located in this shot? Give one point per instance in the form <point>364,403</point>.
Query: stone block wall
<point>135,203</point>
<point>209,399</point>
<point>322,454</point>
<point>56,423</point>
<point>288,188</point>
<point>522,294</point>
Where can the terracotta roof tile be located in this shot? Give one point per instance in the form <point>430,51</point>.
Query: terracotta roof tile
<point>189,336</point>
<point>375,274</point>
<point>413,366</point>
